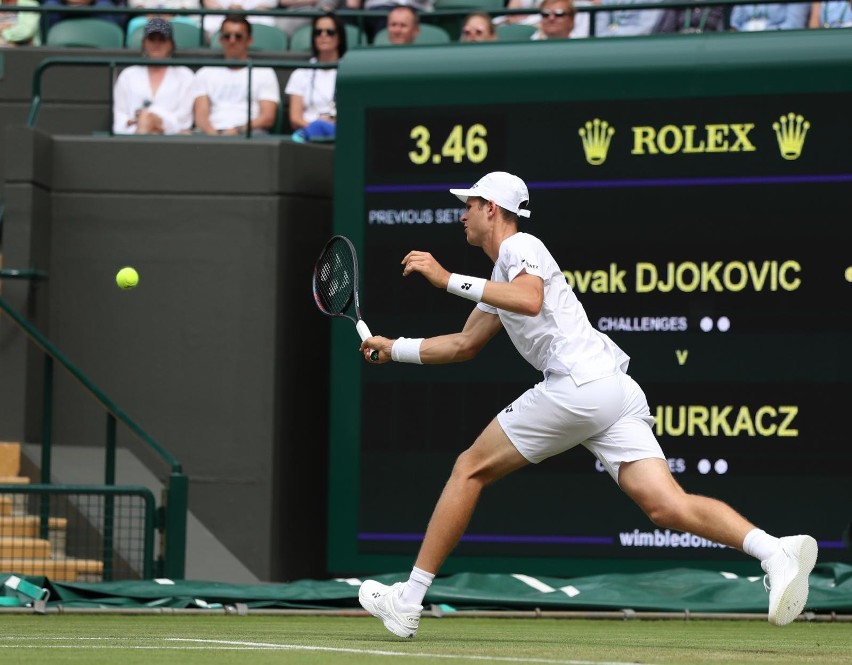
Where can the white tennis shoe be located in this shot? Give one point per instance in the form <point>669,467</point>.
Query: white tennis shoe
<point>786,578</point>
<point>382,602</point>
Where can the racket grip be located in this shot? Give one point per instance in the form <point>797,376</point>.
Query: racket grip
<point>364,332</point>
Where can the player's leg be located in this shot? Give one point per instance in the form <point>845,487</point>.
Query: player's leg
<point>651,485</point>
<point>632,454</point>
<point>491,457</point>
<point>787,561</point>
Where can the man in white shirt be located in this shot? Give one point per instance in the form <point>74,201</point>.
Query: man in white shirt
<point>223,102</point>
<point>585,398</point>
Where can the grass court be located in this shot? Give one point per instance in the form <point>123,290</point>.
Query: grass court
<point>294,639</point>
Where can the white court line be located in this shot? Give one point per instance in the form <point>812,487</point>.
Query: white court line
<point>221,645</point>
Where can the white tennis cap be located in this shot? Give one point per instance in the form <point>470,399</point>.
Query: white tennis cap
<point>506,190</point>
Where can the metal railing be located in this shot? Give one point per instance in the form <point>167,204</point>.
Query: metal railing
<point>172,526</point>
<point>78,532</point>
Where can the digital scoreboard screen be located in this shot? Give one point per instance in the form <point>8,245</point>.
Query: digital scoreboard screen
<point>708,236</point>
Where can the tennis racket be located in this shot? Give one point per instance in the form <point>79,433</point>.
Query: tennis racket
<point>335,284</point>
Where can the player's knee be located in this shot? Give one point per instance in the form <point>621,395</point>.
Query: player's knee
<point>661,511</point>
<point>469,468</point>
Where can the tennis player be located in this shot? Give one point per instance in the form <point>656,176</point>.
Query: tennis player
<point>585,398</point>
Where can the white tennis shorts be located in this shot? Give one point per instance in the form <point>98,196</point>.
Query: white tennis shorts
<point>609,416</point>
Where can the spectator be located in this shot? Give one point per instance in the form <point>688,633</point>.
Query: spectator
<point>478,27</point>
<point>312,90</point>
<point>703,18</point>
<point>581,19</point>
<point>373,24</point>
<point>52,18</point>
<point>756,18</point>
<point>626,22</point>
<point>223,100</point>
<point>835,14</point>
<point>211,22</point>
<point>154,99</point>
<point>403,25</point>
<point>557,19</point>
<point>290,24</point>
<point>140,20</point>
<point>20,28</point>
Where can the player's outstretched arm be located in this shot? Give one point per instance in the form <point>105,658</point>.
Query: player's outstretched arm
<point>479,328</point>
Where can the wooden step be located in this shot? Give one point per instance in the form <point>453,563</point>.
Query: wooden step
<point>10,458</point>
<point>27,526</point>
<point>14,480</point>
<point>24,548</point>
<point>58,570</point>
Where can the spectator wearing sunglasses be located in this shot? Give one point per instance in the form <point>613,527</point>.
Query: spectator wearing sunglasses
<point>478,27</point>
<point>311,90</point>
<point>557,20</point>
<point>224,103</point>
<point>622,21</point>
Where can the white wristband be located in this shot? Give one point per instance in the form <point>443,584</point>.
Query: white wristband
<point>466,286</point>
<point>407,350</point>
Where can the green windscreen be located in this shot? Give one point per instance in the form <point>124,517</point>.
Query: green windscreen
<point>695,191</point>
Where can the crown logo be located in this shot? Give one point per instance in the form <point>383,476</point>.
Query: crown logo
<point>596,136</point>
<point>791,130</point>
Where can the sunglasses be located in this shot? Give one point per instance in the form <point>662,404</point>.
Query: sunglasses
<point>237,36</point>
<point>331,32</point>
<point>554,13</point>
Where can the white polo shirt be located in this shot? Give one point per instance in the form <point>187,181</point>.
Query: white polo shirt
<point>228,92</point>
<point>560,338</point>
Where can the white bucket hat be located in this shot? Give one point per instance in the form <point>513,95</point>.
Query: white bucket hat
<point>506,190</point>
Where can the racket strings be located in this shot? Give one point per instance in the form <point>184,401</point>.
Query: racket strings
<point>335,279</point>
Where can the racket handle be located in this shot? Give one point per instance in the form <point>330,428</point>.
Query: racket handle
<point>364,332</point>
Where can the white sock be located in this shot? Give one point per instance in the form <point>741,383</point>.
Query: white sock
<point>416,587</point>
<point>760,544</point>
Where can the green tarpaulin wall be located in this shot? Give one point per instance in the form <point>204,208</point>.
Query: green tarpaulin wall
<point>675,590</point>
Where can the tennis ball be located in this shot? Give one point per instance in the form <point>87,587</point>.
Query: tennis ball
<point>127,278</point>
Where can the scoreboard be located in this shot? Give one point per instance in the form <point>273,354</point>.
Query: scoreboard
<point>696,192</point>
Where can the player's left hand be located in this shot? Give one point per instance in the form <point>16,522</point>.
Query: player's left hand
<point>426,265</point>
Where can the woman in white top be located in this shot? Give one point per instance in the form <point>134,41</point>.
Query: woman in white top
<point>154,99</point>
<point>312,90</point>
